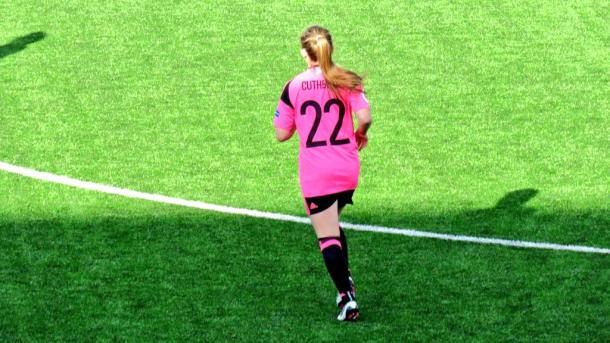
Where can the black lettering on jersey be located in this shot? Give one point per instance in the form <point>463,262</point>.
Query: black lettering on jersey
<point>313,85</point>
<point>285,96</point>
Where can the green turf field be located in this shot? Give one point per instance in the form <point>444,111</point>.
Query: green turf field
<point>490,119</point>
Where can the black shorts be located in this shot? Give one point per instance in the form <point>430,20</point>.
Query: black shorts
<point>318,204</point>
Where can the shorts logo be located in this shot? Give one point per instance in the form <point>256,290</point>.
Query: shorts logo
<point>313,206</point>
<point>277,113</point>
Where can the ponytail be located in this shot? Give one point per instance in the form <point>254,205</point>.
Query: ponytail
<point>324,55</point>
<point>317,41</point>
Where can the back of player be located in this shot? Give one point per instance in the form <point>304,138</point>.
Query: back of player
<point>328,152</point>
<point>318,104</point>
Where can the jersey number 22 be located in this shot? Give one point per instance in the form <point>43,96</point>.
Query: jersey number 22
<point>333,137</point>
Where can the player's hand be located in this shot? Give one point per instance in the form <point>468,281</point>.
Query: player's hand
<point>362,140</point>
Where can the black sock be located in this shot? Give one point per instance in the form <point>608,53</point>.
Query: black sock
<point>335,262</point>
<point>343,240</point>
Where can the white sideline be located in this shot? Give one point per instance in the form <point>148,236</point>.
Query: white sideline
<point>284,217</point>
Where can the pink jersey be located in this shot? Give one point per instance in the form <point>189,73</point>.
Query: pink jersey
<point>328,153</point>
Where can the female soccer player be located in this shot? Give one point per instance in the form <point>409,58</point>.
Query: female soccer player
<point>318,104</point>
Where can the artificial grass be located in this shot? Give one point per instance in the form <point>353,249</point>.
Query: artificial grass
<point>490,119</point>
<point>109,268</point>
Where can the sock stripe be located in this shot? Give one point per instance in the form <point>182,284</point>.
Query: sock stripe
<point>325,243</point>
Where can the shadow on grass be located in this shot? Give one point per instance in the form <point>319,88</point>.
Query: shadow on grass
<point>510,218</point>
<point>20,43</point>
<point>185,275</point>
<point>511,207</point>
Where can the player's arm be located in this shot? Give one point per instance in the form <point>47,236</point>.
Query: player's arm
<point>362,110</point>
<point>284,120</point>
<point>364,123</point>
<point>283,135</point>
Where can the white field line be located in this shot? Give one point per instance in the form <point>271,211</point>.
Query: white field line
<point>284,217</point>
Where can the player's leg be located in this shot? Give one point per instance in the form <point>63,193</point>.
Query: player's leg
<point>344,199</point>
<point>326,222</point>
<point>343,239</point>
<point>344,248</point>
<point>326,225</point>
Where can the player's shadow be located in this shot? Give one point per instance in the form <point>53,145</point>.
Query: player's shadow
<point>20,43</point>
<point>511,205</point>
<point>512,217</point>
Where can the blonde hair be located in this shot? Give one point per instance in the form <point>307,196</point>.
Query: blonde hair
<point>318,44</point>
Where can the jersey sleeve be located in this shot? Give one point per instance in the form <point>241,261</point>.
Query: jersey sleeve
<point>358,100</point>
<point>284,114</point>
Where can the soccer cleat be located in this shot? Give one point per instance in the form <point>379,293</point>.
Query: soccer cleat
<point>353,290</point>
<point>349,308</point>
